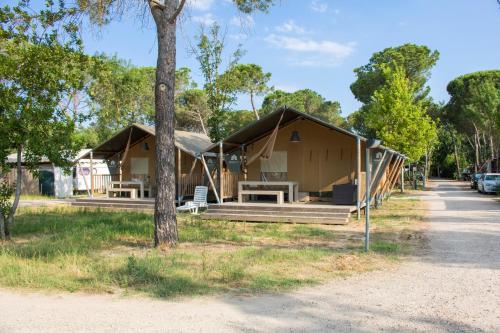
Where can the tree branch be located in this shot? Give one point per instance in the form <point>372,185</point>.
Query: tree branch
<point>178,11</point>
<point>155,3</point>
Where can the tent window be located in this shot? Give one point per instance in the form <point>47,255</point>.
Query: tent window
<point>275,168</point>
<point>139,166</point>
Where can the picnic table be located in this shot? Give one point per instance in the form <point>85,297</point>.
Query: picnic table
<point>293,187</point>
<point>127,183</point>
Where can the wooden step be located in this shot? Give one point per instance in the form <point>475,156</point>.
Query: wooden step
<point>116,200</point>
<point>284,208</point>
<point>113,205</point>
<point>267,212</point>
<point>274,218</point>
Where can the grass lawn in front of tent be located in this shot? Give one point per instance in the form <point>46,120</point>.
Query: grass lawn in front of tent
<point>97,251</point>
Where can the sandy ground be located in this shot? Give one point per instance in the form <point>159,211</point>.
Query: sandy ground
<point>453,287</point>
<point>43,202</point>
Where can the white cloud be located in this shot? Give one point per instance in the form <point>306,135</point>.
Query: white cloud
<point>238,37</point>
<point>336,11</point>
<point>245,21</point>
<point>319,6</point>
<point>202,5</point>
<point>291,26</point>
<point>205,19</point>
<point>286,88</point>
<point>309,52</point>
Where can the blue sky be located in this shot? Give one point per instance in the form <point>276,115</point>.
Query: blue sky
<point>316,44</point>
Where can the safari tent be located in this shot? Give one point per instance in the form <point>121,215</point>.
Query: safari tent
<point>130,155</point>
<point>312,161</point>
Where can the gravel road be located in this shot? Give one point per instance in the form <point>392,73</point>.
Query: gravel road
<point>453,287</point>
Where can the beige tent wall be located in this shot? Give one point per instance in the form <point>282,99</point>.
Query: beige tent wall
<point>324,157</point>
<point>138,151</point>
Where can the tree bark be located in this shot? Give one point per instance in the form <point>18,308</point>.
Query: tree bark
<point>492,148</point>
<point>165,217</point>
<point>476,148</point>
<point>200,118</point>
<point>457,160</point>
<point>17,195</point>
<point>253,106</point>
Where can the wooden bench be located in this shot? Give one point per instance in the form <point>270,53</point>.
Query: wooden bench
<point>280,197</point>
<point>132,191</point>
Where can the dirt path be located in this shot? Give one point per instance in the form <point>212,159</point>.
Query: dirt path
<point>455,287</point>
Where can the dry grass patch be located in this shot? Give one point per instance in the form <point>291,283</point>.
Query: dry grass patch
<point>95,251</point>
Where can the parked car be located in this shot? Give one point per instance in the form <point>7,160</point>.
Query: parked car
<point>474,179</point>
<point>488,183</point>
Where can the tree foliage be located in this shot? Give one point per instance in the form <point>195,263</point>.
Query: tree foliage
<point>122,94</point>
<point>416,60</point>
<point>220,89</point>
<point>40,65</point>
<point>397,119</point>
<point>474,110</point>
<point>248,79</point>
<point>305,100</point>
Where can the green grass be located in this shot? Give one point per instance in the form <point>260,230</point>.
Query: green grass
<point>111,252</point>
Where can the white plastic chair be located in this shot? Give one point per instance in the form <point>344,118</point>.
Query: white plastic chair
<point>199,201</point>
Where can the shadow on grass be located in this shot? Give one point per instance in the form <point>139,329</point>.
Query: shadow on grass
<point>104,251</point>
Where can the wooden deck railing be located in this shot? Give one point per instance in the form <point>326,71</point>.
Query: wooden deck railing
<point>189,182</point>
<point>230,184</point>
<point>101,182</point>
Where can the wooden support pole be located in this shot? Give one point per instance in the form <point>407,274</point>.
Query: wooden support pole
<point>392,168</point>
<point>392,181</point>
<point>396,175</point>
<point>91,173</point>
<point>79,171</point>
<point>358,177</point>
<point>210,180</point>
<point>403,178</point>
<point>221,171</point>
<point>244,162</point>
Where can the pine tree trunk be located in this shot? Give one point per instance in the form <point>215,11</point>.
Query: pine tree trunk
<point>17,195</point>
<point>476,149</point>
<point>253,107</point>
<point>492,148</point>
<point>200,119</point>
<point>457,161</point>
<point>165,218</point>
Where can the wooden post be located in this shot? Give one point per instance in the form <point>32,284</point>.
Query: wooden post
<point>244,162</point>
<point>392,180</point>
<point>91,173</point>
<point>358,177</point>
<point>179,174</point>
<point>210,178</point>
<point>120,168</point>
<point>221,171</point>
<point>403,178</point>
<point>390,173</point>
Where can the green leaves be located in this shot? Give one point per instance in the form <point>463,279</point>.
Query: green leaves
<point>397,119</point>
<point>475,98</point>
<point>416,60</point>
<point>122,94</point>
<point>305,100</point>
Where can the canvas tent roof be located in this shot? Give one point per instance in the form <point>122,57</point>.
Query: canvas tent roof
<point>265,125</point>
<point>189,142</point>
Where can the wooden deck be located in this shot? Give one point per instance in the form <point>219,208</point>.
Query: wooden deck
<point>284,213</point>
<point>146,204</point>
<point>305,213</point>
